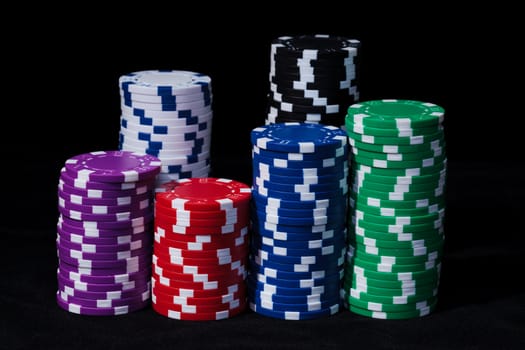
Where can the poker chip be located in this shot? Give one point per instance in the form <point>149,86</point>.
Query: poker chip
<point>168,114</point>
<point>299,213</point>
<point>313,78</point>
<point>397,208</point>
<point>104,232</point>
<point>200,249</point>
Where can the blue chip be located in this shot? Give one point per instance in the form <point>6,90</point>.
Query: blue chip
<point>321,154</point>
<point>323,179</point>
<point>334,279</point>
<point>306,230</point>
<point>329,250</point>
<point>267,230</point>
<point>299,188</point>
<point>332,162</point>
<point>297,267</point>
<point>293,275</point>
<point>299,196</point>
<point>295,315</point>
<point>269,304</point>
<point>335,209</point>
<point>317,260</point>
<point>253,284</point>
<point>298,137</point>
<point>260,199</point>
<point>301,221</point>
<point>264,168</point>
<point>339,240</point>
<point>299,299</point>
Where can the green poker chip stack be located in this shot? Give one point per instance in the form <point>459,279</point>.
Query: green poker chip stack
<point>397,208</point>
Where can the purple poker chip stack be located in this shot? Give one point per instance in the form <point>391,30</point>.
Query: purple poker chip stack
<point>104,232</point>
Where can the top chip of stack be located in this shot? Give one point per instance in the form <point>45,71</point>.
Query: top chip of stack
<point>397,208</point>
<point>313,78</point>
<point>168,114</point>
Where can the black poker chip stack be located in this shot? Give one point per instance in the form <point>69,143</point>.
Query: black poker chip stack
<point>313,79</point>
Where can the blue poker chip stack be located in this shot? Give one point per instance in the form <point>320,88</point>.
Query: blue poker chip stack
<point>299,203</point>
<point>168,114</point>
<point>313,78</point>
<point>104,232</point>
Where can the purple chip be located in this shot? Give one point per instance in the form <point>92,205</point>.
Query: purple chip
<point>104,295</point>
<point>109,225</point>
<point>113,166</point>
<point>102,288</point>
<point>124,200</point>
<point>136,206</point>
<point>67,271</point>
<point>72,266</point>
<point>132,264</point>
<point>104,303</point>
<point>86,310</point>
<point>97,257</point>
<point>67,225</point>
<point>104,218</point>
<point>144,236</point>
<point>145,242</point>
<point>104,194</point>
<point>96,185</point>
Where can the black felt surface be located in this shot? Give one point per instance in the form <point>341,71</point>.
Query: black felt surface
<point>65,100</point>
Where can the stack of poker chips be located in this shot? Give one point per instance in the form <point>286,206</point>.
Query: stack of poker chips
<point>299,220</point>
<point>168,114</point>
<point>397,208</point>
<point>313,79</point>
<point>105,232</point>
<point>201,249</point>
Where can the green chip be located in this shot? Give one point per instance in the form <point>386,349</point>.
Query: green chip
<point>375,306</point>
<point>404,164</point>
<point>400,237</point>
<point>395,300</point>
<point>432,195</point>
<point>404,149</point>
<point>356,279</point>
<point>391,132</point>
<point>402,141</point>
<point>361,203</point>
<point>363,214</point>
<point>390,292</point>
<point>358,176</point>
<point>431,274</point>
<point>399,157</point>
<point>433,257</point>
<point>398,204</point>
<point>396,114</point>
<point>413,268</point>
<point>393,315</point>
<point>378,243</point>
<point>418,171</point>
<point>406,252</point>
<point>426,187</point>
<point>436,225</point>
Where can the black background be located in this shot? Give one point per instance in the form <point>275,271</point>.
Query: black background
<point>61,98</point>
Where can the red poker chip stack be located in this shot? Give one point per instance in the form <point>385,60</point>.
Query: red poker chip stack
<point>200,249</point>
